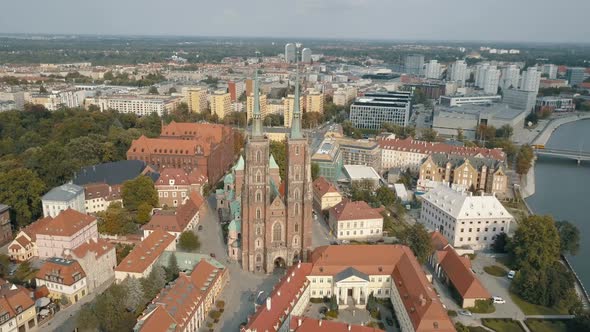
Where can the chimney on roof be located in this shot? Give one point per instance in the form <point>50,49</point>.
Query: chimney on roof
<point>349,327</point>
<point>279,293</point>
<point>320,323</point>
<point>299,265</point>
<point>422,300</point>
<point>299,321</point>
<point>268,303</point>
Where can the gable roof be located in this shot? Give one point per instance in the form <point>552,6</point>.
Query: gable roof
<point>350,272</point>
<point>458,270</point>
<point>411,145</point>
<point>112,173</point>
<point>321,186</point>
<point>13,298</point>
<point>308,324</point>
<point>66,223</point>
<point>96,247</point>
<point>64,192</point>
<point>102,190</point>
<point>67,271</point>
<point>176,221</point>
<point>146,252</point>
<point>169,146</point>
<point>347,210</point>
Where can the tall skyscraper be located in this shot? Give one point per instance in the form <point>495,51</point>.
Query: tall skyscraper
<point>290,53</point>
<point>413,64</point>
<point>550,70</point>
<point>432,69</point>
<point>510,77</point>
<point>306,55</point>
<point>487,77</point>
<point>531,78</point>
<point>575,75</point>
<point>458,72</point>
<point>276,225</point>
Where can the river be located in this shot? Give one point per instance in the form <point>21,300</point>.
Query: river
<point>563,188</point>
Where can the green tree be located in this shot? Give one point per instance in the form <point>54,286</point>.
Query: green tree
<point>153,90</point>
<point>535,243</point>
<point>417,238</point>
<point>87,319</point>
<point>279,152</point>
<point>315,171</point>
<point>524,159</point>
<point>22,190</point>
<point>172,90</point>
<point>500,243</point>
<point>189,241</point>
<point>385,196</point>
<point>4,263</point>
<point>42,89</point>
<point>137,191</point>
<point>116,220</point>
<point>429,135</point>
<point>460,135</point>
<point>312,119</point>
<point>172,269</point>
<point>135,297</point>
<point>569,236</point>
<point>505,131</point>
<point>548,286</point>
<point>144,213</point>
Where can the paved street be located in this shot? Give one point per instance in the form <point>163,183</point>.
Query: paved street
<point>321,232</point>
<point>242,284</point>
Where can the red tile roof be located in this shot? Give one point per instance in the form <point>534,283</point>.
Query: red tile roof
<point>423,147</point>
<point>347,210</point>
<point>66,223</point>
<point>307,324</point>
<point>159,320</point>
<point>178,221</point>
<point>13,297</point>
<point>147,252</point>
<point>179,176</point>
<point>207,132</point>
<point>321,186</point>
<point>68,271</point>
<point>289,288</point>
<point>170,146</point>
<point>102,190</point>
<point>97,247</point>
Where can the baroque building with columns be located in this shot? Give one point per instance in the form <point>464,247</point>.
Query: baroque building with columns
<point>276,213</point>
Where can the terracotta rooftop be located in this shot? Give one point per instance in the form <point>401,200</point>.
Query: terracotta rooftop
<point>61,270</point>
<point>347,210</point>
<point>307,324</point>
<point>321,186</point>
<point>97,247</point>
<point>102,190</point>
<point>180,177</point>
<point>159,320</point>
<point>289,288</point>
<point>66,223</point>
<point>411,145</point>
<point>147,252</point>
<point>13,298</point>
<point>458,270</point>
<point>208,132</point>
<point>178,220</point>
<point>169,146</point>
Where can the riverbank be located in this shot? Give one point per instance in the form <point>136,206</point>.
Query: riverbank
<point>543,137</point>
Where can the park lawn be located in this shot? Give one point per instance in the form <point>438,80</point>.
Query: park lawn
<point>476,329</point>
<point>531,309</point>
<point>502,325</point>
<point>495,270</point>
<point>546,325</point>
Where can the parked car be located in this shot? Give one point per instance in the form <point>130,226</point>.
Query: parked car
<point>498,300</point>
<point>345,242</point>
<point>465,312</point>
<point>200,227</point>
<point>511,274</point>
<point>323,310</point>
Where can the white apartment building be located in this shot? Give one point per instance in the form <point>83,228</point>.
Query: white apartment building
<point>550,70</point>
<point>69,230</point>
<point>454,101</point>
<point>458,72</point>
<point>195,98</point>
<point>355,221</point>
<point>58,199</point>
<point>510,77</point>
<point>531,78</point>
<point>432,69</point>
<point>343,96</point>
<point>290,53</point>
<point>465,220</point>
<point>306,55</point>
<point>487,77</point>
<point>140,105</point>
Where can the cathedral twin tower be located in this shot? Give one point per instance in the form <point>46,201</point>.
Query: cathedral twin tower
<point>276,213</point>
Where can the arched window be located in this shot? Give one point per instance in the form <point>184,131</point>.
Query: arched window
<point>258,156</point>
<point>297,149</point>
<point>296,193</point>
<point>296,228</point>
<point>258,258</point>
<point>258,177</point>
<point>258,213</point>
<point>296,209</point>
<point>295,240</point>
<point>277,232</point>
<point>258,196</point>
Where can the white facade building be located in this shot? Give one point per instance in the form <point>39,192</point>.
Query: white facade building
<point>531,78</point>
<point>432,69</point>
<point>488,78</point>
<point>372,110</point>
<point>459,72</point>
<point>550,70</point>
<point>138,105</point>
<point>510,77</point>
<point>465,220</point>
<point>290,53</point>
<point>67,196</point>
<point>306,55</point>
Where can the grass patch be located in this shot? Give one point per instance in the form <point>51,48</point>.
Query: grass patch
<point>393,226</point>
<point>476,329</point>
<point>535,309</point>
<point>495,270</point>
<point>482,307</point>
<point>546,325</point>
<point>502,324</point>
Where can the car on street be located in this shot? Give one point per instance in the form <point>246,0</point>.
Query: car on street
<point>465,312</point>
<point>498,300</point>
<point>200,227</point>
<point>323,310</point>
<point>511,274</point>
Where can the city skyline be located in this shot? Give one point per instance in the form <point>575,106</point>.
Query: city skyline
<point>350,19</point>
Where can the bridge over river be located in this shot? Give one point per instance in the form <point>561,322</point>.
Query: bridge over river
<point>579,156</point>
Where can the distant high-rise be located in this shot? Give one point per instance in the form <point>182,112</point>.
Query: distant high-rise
<point>413,64</point>
<point>432,69</point>
<point>196,98</point>
<point>550,70</point>
<point>290,53</point>
<point>510,77</point>
<point>530,80</point>
<point>458,72</point>
<point>487,78</point>
<point>220,102</point>
<point>306,55</point>
<point>575,75</point>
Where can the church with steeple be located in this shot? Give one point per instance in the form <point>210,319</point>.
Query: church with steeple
<point>276,214</point>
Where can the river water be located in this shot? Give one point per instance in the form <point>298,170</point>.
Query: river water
<point>563,189</point>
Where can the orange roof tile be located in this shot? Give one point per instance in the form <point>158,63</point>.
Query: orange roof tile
<point>168,146</point>
<point>66,271</point>
<point>13,297</point>
<point>98,247</point>
<point>147,252</point>
<point>102,190</point>
<point>423,147</point>
<point>321,186</point>
<point>307,324</point>
<point>66,223</point>
<point>347,210</point>
<point>179,220</point>
<point>159,320</point>
<point>458,270</point>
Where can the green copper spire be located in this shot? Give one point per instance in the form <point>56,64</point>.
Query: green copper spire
<point>296,122</point>
<point>256,116</point>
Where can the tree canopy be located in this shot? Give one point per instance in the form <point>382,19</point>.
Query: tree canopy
<point>535,243</point>
<point>188,241</point>
<point>139,191</point>
<point>417,238</point>
<point>569,237</point>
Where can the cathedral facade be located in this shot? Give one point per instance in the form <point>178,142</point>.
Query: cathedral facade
<point>276,213</point>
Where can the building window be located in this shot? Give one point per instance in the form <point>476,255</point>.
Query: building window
<point>276,232</point>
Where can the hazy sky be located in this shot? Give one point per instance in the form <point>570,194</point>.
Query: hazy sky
<point>499,20</point>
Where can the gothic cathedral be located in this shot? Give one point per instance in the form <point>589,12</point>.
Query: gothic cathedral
<point>276,213</point>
